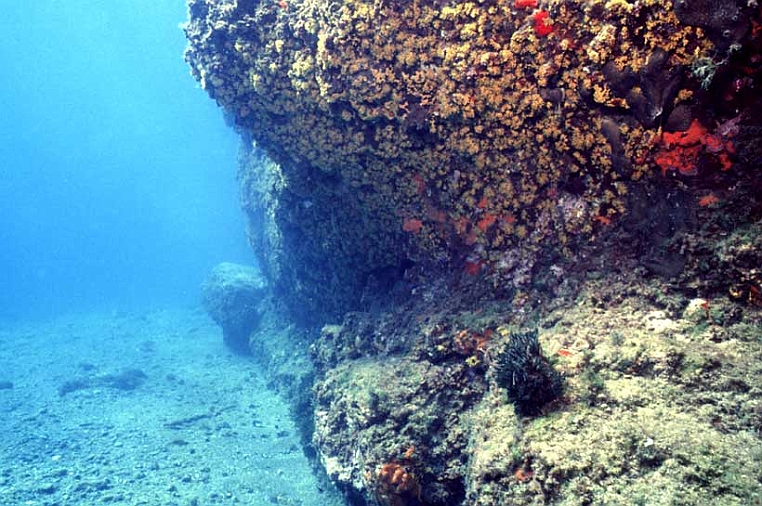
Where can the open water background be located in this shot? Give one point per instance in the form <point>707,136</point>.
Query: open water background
<point>117,173</point>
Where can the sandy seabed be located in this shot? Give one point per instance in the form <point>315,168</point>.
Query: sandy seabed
<point>142,409</point>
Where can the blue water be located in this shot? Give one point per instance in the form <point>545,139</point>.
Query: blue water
<point>117,173</point>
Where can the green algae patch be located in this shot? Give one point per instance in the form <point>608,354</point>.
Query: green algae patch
<point>616,457</point>
<point>656,412</point>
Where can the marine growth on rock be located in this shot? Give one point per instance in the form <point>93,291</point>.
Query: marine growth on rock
<point>463,134</point>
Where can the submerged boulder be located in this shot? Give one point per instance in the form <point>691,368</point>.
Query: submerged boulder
<point>231,296</point>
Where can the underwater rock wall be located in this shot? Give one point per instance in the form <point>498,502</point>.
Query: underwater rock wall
<point>660,406</point>
<point>445,177</point>
<point>472,135</point>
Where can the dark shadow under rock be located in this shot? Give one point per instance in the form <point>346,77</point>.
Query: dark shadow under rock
<point>127,379</point>
<point>73,385</point>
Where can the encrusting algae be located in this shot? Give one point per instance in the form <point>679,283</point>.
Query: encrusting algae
<point>481,120</point>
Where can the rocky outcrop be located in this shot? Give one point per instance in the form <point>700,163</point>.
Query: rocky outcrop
<point>658,389</point>
<point>477,137</point>
<point>438,178</point>
<point>232,295</point>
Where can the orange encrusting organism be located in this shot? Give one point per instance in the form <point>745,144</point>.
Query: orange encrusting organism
<point>525,4</point>
<point>487,221</point>
<point>708,200</point>
<point>412,225</point>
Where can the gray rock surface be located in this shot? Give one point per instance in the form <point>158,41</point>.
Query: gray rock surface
<point>231,296</point>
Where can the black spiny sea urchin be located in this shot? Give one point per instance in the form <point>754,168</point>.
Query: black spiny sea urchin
<point>525,373</point>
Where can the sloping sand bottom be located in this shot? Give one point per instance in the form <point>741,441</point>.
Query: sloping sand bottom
<point>142,410</point>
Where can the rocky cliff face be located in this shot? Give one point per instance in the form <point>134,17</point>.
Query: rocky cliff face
<point>442,176</point>
<point>472,136</point>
